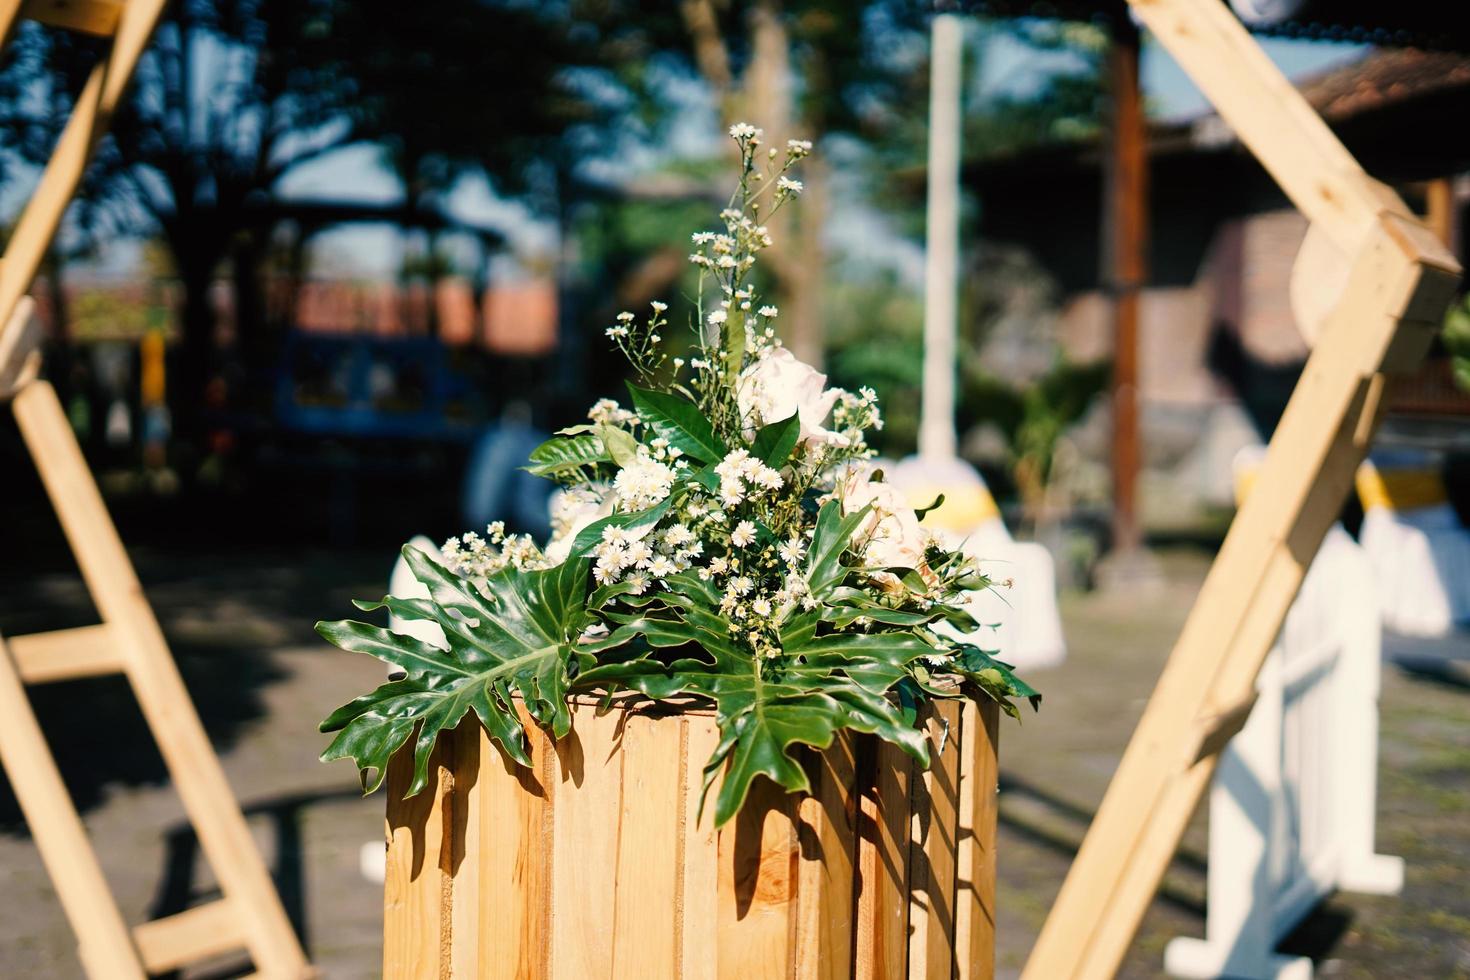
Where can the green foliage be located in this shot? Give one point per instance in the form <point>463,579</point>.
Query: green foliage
<point>567,454</point>
<point>1457,340</point>
<point>1033,417</point>
<point>517,637</point>
<point>513,640</point>
<point>719,541</point>
<point>679,420</point>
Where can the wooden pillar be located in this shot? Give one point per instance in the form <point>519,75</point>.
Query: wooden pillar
<point>1125,230</point>
<point>1439,208</point>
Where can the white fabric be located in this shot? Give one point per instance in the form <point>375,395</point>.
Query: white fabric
<point>402,585</point>
<point>1420,557</point>
<point>1421,562</point>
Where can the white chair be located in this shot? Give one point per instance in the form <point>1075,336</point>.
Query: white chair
<point>1022,622</point>
<point>1419,549</point>
<point>1292,807</point>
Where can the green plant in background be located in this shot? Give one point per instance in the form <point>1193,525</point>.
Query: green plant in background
<point>721,539</point>
<point>1032,417</point>
<point>1457,340</point>
<point>875,328</point>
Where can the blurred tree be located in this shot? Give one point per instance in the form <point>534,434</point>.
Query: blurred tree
<point>1457,340</point>
<point>1033,417</point>
<point>232,95</point>
<point>806,70</point>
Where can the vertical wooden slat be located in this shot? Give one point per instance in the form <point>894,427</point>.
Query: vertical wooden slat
<point>883,858</point>
<point>587,828</point>
<point>463,828</point>
<point>645,936</point>
<point>516,860</point>
<point>757,855</point>
<point>976,860</point>
<point>1124,251</point>
<point>932,859</point>
<point>699,859</point>
<point>415,927</point>
<point>827,836</point>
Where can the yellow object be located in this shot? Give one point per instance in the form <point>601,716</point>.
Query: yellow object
<point>150,355</point>
<point>1245,482</point>
<point>963,510</point>
<point>1396,490</point>
<point>1400,490</point>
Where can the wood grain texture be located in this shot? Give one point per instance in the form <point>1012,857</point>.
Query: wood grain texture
<point>827,838</point>
<point>414,920</point>
<point>645,921</point>
<point>62,655</point>
<point>934,833</point>
<point>976,858</point>
<point>596,864</point>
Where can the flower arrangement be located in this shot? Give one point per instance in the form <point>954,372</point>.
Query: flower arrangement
<point>725,538</point>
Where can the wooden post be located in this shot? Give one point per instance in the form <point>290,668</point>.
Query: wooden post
<point>1439,209</point>
<point>1383,315</point>
<point>596,864</point>
<point>1124,256</point>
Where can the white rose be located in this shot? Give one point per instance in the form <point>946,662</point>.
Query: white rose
<point>570,515</point>
<point>778,385</point>
<point>895,537</point>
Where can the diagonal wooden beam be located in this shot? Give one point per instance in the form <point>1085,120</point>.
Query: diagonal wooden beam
<point>1400,279</point>
<point>99,99</point>
<point>99,17</point>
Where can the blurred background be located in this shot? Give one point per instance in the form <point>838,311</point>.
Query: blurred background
<point>340,265</point>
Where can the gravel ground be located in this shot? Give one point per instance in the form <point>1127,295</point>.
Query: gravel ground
<point>240,624</point>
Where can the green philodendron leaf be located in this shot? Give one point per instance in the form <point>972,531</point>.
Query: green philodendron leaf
<point>824,683</point>
<point>994,677</point>
<point>561,454</point>
<point>774,443</point>
<point>680,421</point>
<point>517,644</point>
<point>830,539</point>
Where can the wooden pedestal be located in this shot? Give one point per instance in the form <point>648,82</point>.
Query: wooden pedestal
<point>594,864</point>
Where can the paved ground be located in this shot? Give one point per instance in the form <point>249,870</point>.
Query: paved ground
<point>240,624</point>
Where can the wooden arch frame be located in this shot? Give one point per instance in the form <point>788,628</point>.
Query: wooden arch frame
<point>1368,289</point>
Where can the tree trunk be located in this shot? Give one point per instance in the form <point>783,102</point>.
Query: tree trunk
<point>253,339</point>
<point>194,355</point>
<point>805,272</point>
<point>59,344</point>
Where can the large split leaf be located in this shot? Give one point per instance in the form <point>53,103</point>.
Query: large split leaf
<point>516,638</point>
<point>822,683</point>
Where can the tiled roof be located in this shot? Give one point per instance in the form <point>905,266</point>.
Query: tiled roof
<point>1384,77</point>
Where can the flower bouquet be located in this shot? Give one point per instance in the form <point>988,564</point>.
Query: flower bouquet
<point>724,538</point>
